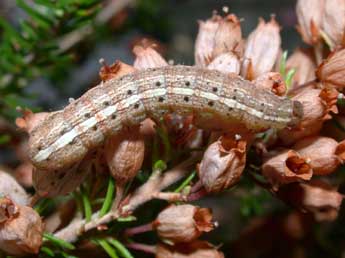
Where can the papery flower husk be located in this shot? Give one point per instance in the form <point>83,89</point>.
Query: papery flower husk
<point>302,61</point>
<point>309,15</point>
<point>30,120</point>
<point>222,164</point>
<point>324,153</point>
<point>333,22</point>
<point>23,174</point>
<point>8,209</point>
<point>262,49</point>
<point>183,223</point>
<point>147,58</point>
<point>317,106</point>
<point>9,187</point>
<point>22,234</point>
<point>226,63</point>
<point>195,249</point>
<point>114,71</point>
<point>180,128</point>
<point>331,73</point>
<point>124,153</point>
<point>316,197</point>
<point>285,167</point>
<point>60,182</point>
<point>271,81</point>
<point>218,35</point>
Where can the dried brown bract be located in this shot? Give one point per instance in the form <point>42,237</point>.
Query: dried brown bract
<point>309,15</point>
<point>222,164</point>
<point>9,187</point>
<point>262,49</point>
<point>317,197</point>
<point>324,153</point>
<point>183,223</point>
<point>271,81</point>
<point>226,63</point>
<point>285,167</point>
<point>30,120</point>
<point>195,249</point>
<point>147,58</point>
<point>114,71</point>
<point>332,70</point>
<point>22,233</point>
<point>8,209</point>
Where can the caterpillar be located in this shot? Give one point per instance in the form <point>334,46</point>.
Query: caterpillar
<point>217,101</point>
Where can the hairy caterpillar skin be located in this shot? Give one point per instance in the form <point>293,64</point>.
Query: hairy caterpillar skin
<point>216,100</point>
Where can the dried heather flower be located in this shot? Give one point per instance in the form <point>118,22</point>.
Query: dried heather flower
<point>183,223</point>
<point>125,154</point>
<point>217,36</point>
<point>333,22</point>
<point>23,174</point>
<point>116,70</point>
<point>22,233</point>
<point>147,58</point>
<point>309,15</point>
<point>301,60</point>
<point>285,167</point>
<point>60,182</point>
<point>317,197</point>
<point>9,187</point>
<point>195,249</point>
<point>222,164</point>
<point>324,153</point>
<point>8,209</point>
<point>271,81</point>
<point>332,71</point>
<point>30,120</point>
<point>226,63</point>
<point>262,49</point>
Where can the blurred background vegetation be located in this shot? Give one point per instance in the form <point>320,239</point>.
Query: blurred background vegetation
<point>50,52</point>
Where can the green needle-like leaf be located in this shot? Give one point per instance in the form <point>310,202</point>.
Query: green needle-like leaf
<point>109,197</point>
<point>122,250</point>
<point>57,241</point>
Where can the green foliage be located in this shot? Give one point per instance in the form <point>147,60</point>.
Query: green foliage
<point>108,197</point>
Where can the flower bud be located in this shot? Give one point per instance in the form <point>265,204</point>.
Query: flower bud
<point>333,22</point>
<point>309,15</point>
<point>9,187</point>
<point>147,58</point>
<point>125,155</point>
<point>222,164</point>
<point>301,60</point>
<point>271,81</point>
<point>30,120</point>
<point>332,70</point>
<point>226,63</point>
<point>316,197</point>
<point>217,36</point>
<point>116,70</point>
<point>195,249</point>
<point>262,49</point>
<point>183,223</point>
<point>317,104</point>
<point>60,182</point>
<point>21,233</point>
<point>324,153</point>
<point>285,167</point>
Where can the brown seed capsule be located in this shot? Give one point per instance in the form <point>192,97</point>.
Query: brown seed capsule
<point>30,120</point>
<point>226,63</point>
<point>324,153</point>
<point>262,49</point>
<point>301,60</point>
<point>285,167</point>
<point>9,187</point>
<point>317,104</point>
<point>60,182</point>
<point>317,197</point>
<point>183,223</point>
<point>309,15</point>
<point>147,58</point>
<point>222,164</point>
<point>22,233</point>
<point>332,71</point>
<point>333,22</point>
<point>217,36</point>
<point>271,81</point>
<point>195,249</point>
<point>116,70</point>
<point>125,154</point>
